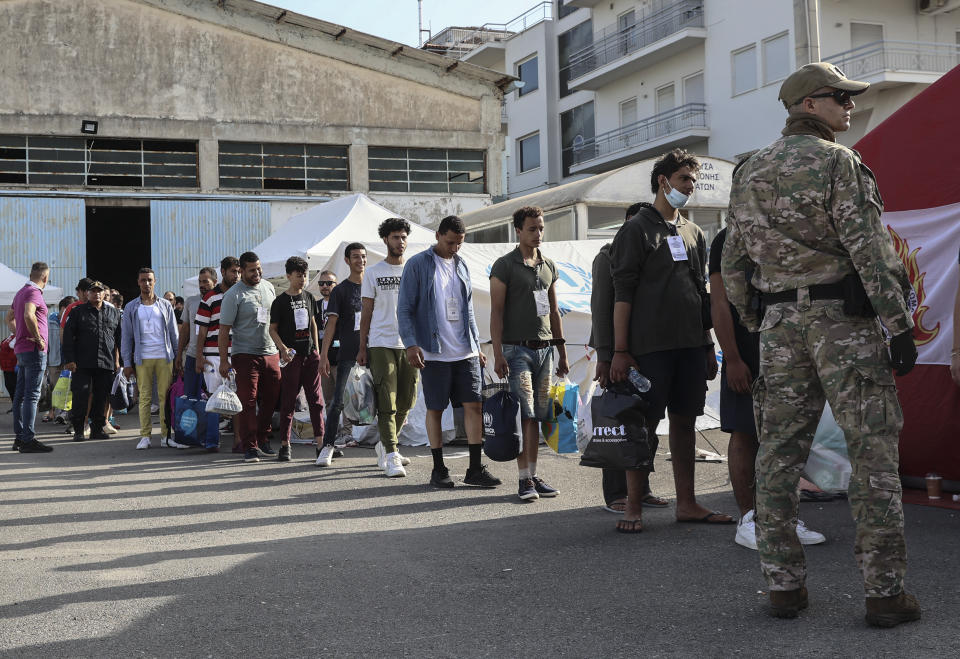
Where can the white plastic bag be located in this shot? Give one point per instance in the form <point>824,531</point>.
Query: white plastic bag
<point>585,418</point>
<point>828,465</point>
<point>224,400</point>
<point>359,397</point>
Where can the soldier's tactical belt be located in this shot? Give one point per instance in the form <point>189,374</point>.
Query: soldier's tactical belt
<point>817,292</point>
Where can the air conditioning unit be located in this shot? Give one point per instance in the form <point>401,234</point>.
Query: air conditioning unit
<point>933,7</point>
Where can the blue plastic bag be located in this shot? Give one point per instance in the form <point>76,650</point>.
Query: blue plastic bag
<point>560,432</point>
<point>193,425</point>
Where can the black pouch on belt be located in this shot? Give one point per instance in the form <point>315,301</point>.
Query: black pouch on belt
<point>855,300</point>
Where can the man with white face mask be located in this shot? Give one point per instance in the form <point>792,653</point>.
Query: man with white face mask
<point>661,327</point>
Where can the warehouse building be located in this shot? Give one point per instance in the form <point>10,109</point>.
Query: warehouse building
<point>172,132</point>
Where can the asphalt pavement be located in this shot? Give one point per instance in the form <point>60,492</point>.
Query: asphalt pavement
<point>111,552</point>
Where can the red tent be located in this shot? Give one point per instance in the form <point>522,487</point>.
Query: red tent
<point>914,154</point>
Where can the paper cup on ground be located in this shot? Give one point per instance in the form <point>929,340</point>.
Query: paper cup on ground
<point>934,484</point>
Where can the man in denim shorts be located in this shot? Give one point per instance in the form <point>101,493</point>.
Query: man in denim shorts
<point>524,327</point>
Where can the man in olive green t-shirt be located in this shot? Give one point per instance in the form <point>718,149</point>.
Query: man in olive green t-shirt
<point>524,327</point>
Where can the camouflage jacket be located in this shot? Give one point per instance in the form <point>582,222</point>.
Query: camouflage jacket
<point>804,211</point>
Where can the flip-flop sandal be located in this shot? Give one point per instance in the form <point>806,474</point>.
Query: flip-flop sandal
<point>629,526</point>
<point>706,519</point>
<point>616,507</point>
<point>651,500</point>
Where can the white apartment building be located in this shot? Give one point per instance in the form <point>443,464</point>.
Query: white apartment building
<point>614,82</point>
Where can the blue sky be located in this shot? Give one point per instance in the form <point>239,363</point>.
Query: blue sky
<point>397,19</point>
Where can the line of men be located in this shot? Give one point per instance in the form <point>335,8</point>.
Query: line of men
<point>806,264</point>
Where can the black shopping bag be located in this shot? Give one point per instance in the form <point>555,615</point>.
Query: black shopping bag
<point>620,437</point>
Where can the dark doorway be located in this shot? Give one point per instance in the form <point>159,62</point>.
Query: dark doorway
<point>118,244</point>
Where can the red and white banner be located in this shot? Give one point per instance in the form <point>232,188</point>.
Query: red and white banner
<point>928,242</point>
<point>910,153</point>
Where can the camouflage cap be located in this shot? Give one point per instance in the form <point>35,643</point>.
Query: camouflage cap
<point>811,77</point>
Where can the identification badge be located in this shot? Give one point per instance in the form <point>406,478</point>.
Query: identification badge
<point>677,249</point>
<point>263,315</point>
<point>542,301</point>
<point>453,309</point>
<point>356,322</point>
<point>300,319</point>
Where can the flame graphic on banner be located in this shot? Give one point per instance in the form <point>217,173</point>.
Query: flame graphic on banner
<point>921,334</point>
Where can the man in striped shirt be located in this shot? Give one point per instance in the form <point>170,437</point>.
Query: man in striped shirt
<point>208,323</point>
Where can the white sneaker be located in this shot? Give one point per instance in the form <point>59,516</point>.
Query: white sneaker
<point>381,456</point>
<point>154,409</point>
<point>404,460</point>
<point>325,459</point>
<point>171,443</point>
<point>747,532</point>
<point>394,467</point>
<point>144,443</point>
<point>808,537</point>
<point>109,429</point>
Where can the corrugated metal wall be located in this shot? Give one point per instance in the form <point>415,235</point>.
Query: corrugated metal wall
<point>49,230</point>
<point>187,235</point>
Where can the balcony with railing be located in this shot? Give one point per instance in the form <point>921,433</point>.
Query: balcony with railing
<point>620,50</point>
<point>677,127</point>
<point>891,63</point>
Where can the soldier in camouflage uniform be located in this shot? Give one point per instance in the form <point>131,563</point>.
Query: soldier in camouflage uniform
<point>805,216</point>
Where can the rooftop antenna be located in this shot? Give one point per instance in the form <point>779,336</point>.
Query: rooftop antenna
<point>420,23</point>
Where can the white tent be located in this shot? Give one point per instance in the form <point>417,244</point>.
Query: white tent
<point>318,232</point>
<point>574,259</point>
<point>12,281</point>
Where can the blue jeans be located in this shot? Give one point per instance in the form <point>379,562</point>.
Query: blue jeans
<point>530,372</point>
<point>192,381</point>
<point>335,406</point>
<point>30,369</point>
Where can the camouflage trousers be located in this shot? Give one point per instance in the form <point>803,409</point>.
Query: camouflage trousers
<point>811,352</point>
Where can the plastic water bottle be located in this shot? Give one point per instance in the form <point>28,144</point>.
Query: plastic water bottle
<point>639,382</point>
<point>293,353</point>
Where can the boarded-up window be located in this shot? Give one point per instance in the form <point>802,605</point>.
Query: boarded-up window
<point>98,162</point>
<point>277,166</point>
<point>450,171</point>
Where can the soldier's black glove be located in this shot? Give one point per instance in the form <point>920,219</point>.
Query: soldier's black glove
<point>903,352</point>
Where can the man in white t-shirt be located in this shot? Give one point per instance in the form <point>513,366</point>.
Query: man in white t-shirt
<point>394,378</point>
<point>149,346</point>
<point>439,330</point>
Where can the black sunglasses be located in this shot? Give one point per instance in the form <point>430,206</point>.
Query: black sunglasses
<point>841,96</point>
<point>325,283</point>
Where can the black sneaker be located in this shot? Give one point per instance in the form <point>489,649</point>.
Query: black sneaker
<point>264,450</point>
<point>543,489</point>
<point>337,453</point>
<point>16,445</point>
<point>284,454</point>
<point>98,434</point>
<point>78,436</point>
<point>441,478</point>
<point>527,490</point>
<point>251,456</point>
<point>481,477</point>
<point>35,447</point>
